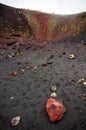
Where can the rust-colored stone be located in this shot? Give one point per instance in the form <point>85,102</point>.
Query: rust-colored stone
<point>14,73</point>
<point>55,109</point>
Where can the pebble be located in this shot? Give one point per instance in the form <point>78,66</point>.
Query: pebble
<point>82,96</point>
<point>15,120</point>
<point>81,80</point>
<point>53,88</point>
<point>44,64</point>
<point>22,70</point>
<point>71,56</point>
<point>53,95</point>
<point>34,67</point>
<point>11,98</point>
<point>84,83</point>
<point>9,56</point>
<point>14,73</point>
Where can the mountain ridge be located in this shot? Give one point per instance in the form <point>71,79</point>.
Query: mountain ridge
<point>40,26</point>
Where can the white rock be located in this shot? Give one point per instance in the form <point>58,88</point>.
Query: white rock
<point>11,98</point>
<point>53,88</point>
<point>84,83</point>
<point>9,56</point>
<point>22,70</point>
<point>53,95</point>
<point>15,120</point>
<point>71,56</point>
<point>34,67</point>
<point>81,80</point>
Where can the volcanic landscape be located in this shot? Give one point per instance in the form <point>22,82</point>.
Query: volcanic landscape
<point>38,51</point>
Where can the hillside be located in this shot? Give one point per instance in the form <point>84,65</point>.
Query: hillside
<point>40,26</point>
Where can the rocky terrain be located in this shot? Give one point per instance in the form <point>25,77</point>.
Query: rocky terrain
<point>38,51</point>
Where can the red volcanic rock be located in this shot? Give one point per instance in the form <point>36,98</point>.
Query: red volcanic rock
<point>43,22</point>
<point>14,73</point>
<point>55,109</point>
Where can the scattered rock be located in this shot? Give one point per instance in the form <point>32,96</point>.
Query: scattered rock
<point>53,95</point>
<point>13,55</point>
<point>71,56</point>
<point>44,64</point>
<point>84,83</point>
<point>47,63</point>
<point>34,67</point>
<point>28,67</point>
<point>11,98</point>
<point>81,80</point>
<point>50,62</point>
<point>21,53</point>
<point>50,49</point>
<point>15,120</point>
<point>53,88</point>
<point>22,70</point>
<point>9,56</point>
<point>17,54</point>
<point>14,73</point>
<point>82,96</point>
<point>55,109</point>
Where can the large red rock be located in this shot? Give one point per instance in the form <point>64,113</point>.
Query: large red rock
<point>55,109</point>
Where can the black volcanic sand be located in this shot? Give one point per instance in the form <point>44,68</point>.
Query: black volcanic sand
<point>31,88</point>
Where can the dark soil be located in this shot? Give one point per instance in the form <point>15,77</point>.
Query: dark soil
<point>31,88</point>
